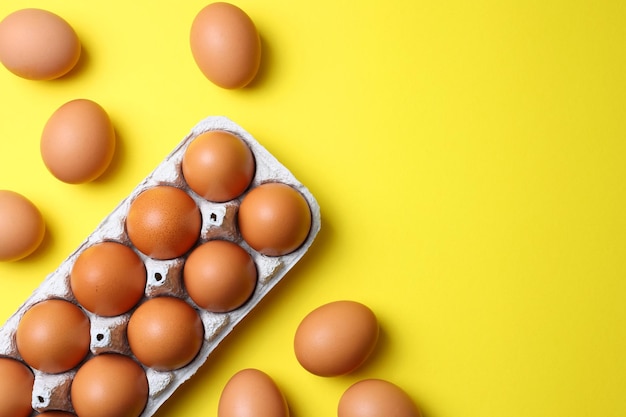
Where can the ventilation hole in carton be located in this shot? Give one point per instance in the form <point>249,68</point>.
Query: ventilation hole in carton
<point>213,217</point>
<point>158,277</point>
<point>40,398</point>
<point>99,337</point>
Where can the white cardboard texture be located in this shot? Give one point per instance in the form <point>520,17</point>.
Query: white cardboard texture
<point>108,334</point>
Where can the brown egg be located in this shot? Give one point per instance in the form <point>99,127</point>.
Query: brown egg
<point>251,392</point>
<point>22,227</point>
<point>38,45</point>
<point>336,338</point>
<point>226,45</point>
<point>375,398</point>
<point>78,142</point>
<point>165,333</point>
<point>16,386</point>
<point>219,276</point>
<point>108,278</point>
<point>218,166</point>
<point>53,336</point>
<point>109,385</point>
<point>163,222</point>
<point>274,219</point>
<point>56,414</point>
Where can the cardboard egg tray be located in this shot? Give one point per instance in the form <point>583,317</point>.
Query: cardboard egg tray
<point>164,277</point>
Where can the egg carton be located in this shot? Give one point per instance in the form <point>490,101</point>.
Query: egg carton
<point>164,277</point>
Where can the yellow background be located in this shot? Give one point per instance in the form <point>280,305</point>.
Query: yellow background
<point>468,157</point>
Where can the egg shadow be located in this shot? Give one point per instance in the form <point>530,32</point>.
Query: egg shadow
<point>320,245</point>
<point>267,56</point>
<point>380,349</point>
<point>292,412</point>
<point>42,250</point>
<point>365,371</point>
<point>84,61</point>
<point>118,157</point>
<point>222,351</point>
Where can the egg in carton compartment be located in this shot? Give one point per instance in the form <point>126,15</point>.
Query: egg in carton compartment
<point>51,391</point>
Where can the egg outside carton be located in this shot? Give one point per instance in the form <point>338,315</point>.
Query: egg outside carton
<point>164,277</point>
